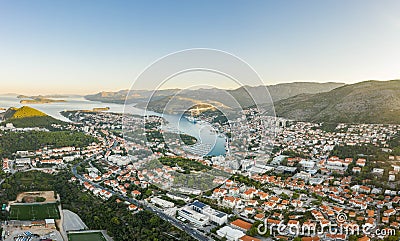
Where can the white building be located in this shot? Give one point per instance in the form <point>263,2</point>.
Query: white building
<point>213,215</point>
<point>307,164</point>
<point>68,158</point>
<point>303,175</point>
<point>247,164</point>
<point>230,234</point>
<point>22,162</point>
<point>315,181</point>
<point>193,216</point>
<point>378,171</point>
<point>396,168</point>
<point>22,153</point>
<point>177,196</point>
<point>161,202</point>
<point>119,160</point>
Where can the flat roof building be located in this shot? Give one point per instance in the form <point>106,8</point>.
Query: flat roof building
<point>193,216</point>
<point>214,216</point>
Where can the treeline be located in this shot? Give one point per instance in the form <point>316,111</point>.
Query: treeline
<point>109,215</point>
<point>10,142</point>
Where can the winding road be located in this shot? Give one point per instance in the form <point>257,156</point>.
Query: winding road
<point>182,226</point>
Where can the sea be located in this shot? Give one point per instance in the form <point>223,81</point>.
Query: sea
<point>204,132</point>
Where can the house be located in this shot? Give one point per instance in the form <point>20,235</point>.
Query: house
<point>234,191</point>
<point>136,193</point>
<point>132,207</point>
<point>364,189</point>
<point>389,212</point>
<point>370,213</point>
<point>396,168</point>
<point>395,225</point>
<point>294,224</point>
<point>249,211</point>
<point>230,201</point>
<point>269,205</point>
<point>275,199</point>
<point>309,226</point>
<point>219,192</point>
<point>241,225</point>
<point>259,216</point>
<point>252,203</point>
<point>361,162</point>
<point>249,194</point>
<point>263,195</point>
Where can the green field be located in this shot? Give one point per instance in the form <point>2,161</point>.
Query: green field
<point>97,236</point>
<point>34,211</point>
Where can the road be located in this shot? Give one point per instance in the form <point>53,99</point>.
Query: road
<point>182,226</point>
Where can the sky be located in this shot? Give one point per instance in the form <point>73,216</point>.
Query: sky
<point>83,47</point>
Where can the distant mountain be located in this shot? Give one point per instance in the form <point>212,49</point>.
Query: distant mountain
<point>28,117</point>
<point>364,102</point>
<point>42,96</point>
<point>245,96</point>
<point>135,96</point>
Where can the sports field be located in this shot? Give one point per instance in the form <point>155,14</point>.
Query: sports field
<point>34,211</point>
<point>97,236</point>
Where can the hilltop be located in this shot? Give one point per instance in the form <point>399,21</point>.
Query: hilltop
<point>23,112</point>
<point>364,102</point>
<point>29,117</point>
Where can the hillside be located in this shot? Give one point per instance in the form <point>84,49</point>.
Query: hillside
<point>29,117</point>
<point>364,102</point>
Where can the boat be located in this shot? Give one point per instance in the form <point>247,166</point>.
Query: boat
<point>191,119</point>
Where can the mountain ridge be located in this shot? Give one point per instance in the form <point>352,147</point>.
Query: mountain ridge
<point>369,101</point>
<point>277,92</point>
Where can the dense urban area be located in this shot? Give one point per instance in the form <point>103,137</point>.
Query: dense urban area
<point>115,177</point>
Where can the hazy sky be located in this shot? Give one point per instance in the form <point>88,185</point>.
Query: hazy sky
<point>88,46</point>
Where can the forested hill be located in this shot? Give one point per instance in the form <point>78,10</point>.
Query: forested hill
<point>29,117</point>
